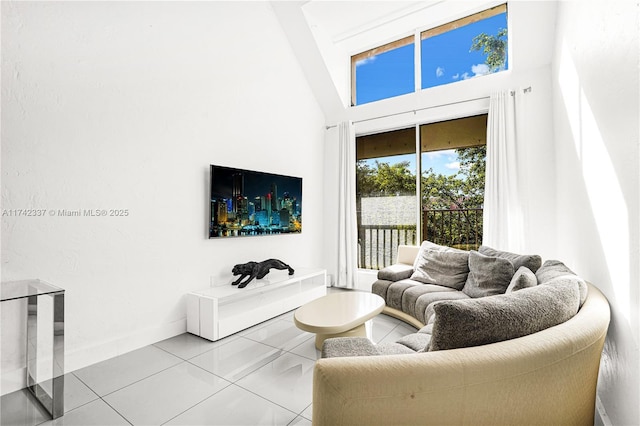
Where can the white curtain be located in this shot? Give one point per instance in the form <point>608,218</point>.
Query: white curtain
<point>506,137</point>
<point>347,249</point>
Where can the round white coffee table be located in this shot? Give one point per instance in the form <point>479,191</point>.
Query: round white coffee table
<point>338,314</point>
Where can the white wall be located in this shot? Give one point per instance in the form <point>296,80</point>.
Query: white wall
<point>123,105</point>
<point>596,113</point>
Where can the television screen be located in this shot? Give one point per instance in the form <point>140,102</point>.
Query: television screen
<point>246,203</point>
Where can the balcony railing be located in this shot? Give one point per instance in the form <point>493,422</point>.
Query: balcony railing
<point>378,244</point>
<point>460,228</point>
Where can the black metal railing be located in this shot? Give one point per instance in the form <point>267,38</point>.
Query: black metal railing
<point>461,228</point>
<point>378,244</point>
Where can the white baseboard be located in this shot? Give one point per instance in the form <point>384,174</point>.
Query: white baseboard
<point>13,380</point>
<point>84,356</point>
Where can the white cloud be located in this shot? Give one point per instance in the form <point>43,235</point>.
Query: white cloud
<point>480,69</point>
<point>453,166</point>
<point>466,76</point>
<point>456,76</point>
<point>434,155</point>
<point>439,72</point>
<point>366,61</point>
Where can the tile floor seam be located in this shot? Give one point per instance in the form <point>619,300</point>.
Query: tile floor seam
<point>182,361</point>
<point>217,375</point>
<point>199,402</point>
<point>219,343</point>
<point>83,382</point>
<point>268,400</point>
<point>116,411</point>
<point>187,346</point>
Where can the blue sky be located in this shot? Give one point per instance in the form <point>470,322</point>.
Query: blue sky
<point>442,162</point>
<point>445,59</point>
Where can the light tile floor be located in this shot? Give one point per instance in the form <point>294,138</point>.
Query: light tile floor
<point>260,376</point>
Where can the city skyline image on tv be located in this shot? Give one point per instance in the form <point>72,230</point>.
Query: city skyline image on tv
<point>251,203</point>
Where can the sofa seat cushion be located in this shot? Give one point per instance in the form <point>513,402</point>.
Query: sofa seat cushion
<point>412,294</point>
<point>348,346</point>
<point>421,310</point>
<point>395,272</point>
<point>418,342</point>
<point>474,322</point>
<point>381,287</point>
<point>531,261</point>
<point>394,349</point>
<point>552,270</point>
<point>396,289</point>
<point>488,275</point>
<point>441,265</point>
<point>427,329</point>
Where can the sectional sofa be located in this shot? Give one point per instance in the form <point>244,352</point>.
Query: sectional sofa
<point>514,341</point>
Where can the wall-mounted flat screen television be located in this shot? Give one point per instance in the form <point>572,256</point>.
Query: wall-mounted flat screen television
<point>251,203</point>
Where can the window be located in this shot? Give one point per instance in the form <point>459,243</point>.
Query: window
<point>469,47</point>
<point>453,155</point>
<point>451,163</point>
<point>466,48</point>
<point>386,197</point>
<point>383,72</point>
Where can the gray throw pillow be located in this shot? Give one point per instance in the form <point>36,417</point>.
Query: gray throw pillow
<point>426,245</point>
<point>488,276</point>
<point>523,278</point>
<point>475,322</point>
<point>554,269</point>
<point>445,267</point>
<point>531,261</point>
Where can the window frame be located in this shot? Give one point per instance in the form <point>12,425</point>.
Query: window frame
<point>405,41</point>
<point>416,39</point>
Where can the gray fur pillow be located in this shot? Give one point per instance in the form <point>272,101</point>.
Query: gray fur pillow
<point>488,276</point>
<point>475,322</point>
<point>531,261</point>
<point>523,278</point>
<point>444,266</point>
<point>552,270</point>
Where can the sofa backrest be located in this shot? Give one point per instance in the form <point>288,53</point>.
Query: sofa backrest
<point>407,254</point>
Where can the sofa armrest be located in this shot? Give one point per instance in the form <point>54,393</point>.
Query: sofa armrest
<point>396,272</point>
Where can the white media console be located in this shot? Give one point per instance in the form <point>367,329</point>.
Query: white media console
<point>222,309</point>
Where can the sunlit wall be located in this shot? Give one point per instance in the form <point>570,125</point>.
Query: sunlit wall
<point>595,77</point>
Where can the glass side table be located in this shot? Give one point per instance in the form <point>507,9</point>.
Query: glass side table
<point>50,393</point>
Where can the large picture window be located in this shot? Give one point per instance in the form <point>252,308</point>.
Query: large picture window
<point>445,206</point>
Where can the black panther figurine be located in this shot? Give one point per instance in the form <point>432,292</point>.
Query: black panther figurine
<point>257,270</point>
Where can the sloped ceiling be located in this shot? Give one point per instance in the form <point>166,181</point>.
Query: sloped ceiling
<point>324,34</point>
<point>345,19</point>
